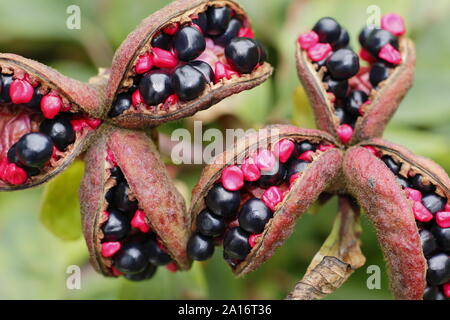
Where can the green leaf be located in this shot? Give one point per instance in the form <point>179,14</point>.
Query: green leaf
<point>60,211</point>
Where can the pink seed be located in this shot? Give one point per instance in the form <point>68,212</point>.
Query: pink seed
<point>250,170</point>
<point>272,197</point>
<point>139,221</point>
<point>447,207</point>
<point>413,194</point>
<point>232,178</point>
<point>283,149</point>
<point>421,213</point>
<point>79,124</point>
<point>345,132</point>
<point>393,23</point>
<point>246,32</point>
<point>390,54</point>
<point>307,156</point>
<point>222,71</point>
<point>372,150</point>
<point>136,98</point>
<point>115,272</point>
<point>171,100</point>
<point>144,63</point>
<point>319,51</point>
<point>265,160</point>
<point>21,91</point>
<point>253,239</point>
<point>325,147</point>
<point>172,28</point>
<point>446,289</point>
<point>172,267</point>
<point>110,248</point>
<point>51,105</point>
<point>443,219</point>
<point>93,123</point>
<point>105,215</point>
<point>164,59</point>
<point>292,179</point>
<point>111,158</point>
<point>308,39</point>
<point>366,56</point>
<point>15,175</point>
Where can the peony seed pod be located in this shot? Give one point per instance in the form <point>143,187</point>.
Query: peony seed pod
<point>134,219</point>
<point>407,199</point>
<point>249,198</point>
<point>46,121</point>
<point>182,59</point>
<point>354,99</point>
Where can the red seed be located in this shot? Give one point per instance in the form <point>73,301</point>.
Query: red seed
<point>222,71</point>
<point>144,63</point>
<point>14,174</point>
<point>171,29</point>
<point>345,132</point>
<point>116,272</point>
<point>393,23</point>
<point>250,170</point>
<point>139,222</point>
<point>105,215</point>
<point>171,100</point>
<point>308,39</point>
<point>164,59</point>
<point>136,98</point>
<point>319,51</point>
<point>246,32</point>
<point>421,213</point>
<point>272,197</point>
<point>265,160</point>
<point>325,147</point>
<point>446,289</point>
<point>253,239</point>
<point>21,91</point>
<point>390,54</point>
<point>51,105</point>
<point>366,56</point>
<point>443,219</point>
<point>283,149</point>
<point>232,178</point>
<point>292,179</point>
<point>447,207</point>
<point>93,123</point>
<point>413,194</point>
<point>110,248</point>
<point>78,124</point>
<point>372,150</point>
<point>172,267</point>
<point>306,156</point>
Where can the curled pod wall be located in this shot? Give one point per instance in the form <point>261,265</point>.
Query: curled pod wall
<point>182,59</point>
<point>46,121</point>
<point>134,219</point>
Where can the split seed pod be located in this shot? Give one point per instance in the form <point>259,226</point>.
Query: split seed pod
<point>133,217</point>
<point>406,198</point>
<point>46,121</point>
<point>182,59</point>
<point>249,198</point>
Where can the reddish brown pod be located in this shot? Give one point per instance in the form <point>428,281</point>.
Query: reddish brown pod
<point>134,219</point>
<point>46,120</point>
<point>182,59</point>
<point>353,97</point>
<point>407,199</point>
<point>249,197</point>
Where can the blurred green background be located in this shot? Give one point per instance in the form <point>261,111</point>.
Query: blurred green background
<point>33,259</point>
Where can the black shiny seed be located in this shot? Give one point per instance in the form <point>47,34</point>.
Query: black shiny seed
<point>188,83</point>
<point>162,41</point>
<point>189,43</point>
<point>60,130</point>
<point>12,158</point>
<point>131,258</point>
<point>391,164</point>
<point>304,146</point>
<point>208,224</point>
<point>379,72</point>
<point>34,149</point>
<point>204,68</point>
<point>343,64</point>
<point>242,54</point>
<point>109,196</point>
<point>342,41</point>
<point>6,81</point>
<point>155,87</point>
<point>429,244</point>
<point>120,105</point>
<point>364,34</point>
<point>403,182</point>
<point>116,227</point>
<point>275,177</point>
<point>201,21</point>
<point>433,202</point>
<point>122,200</point>
<point>231,32</point>
<point>254,215</point>
<point>35,102</point>
<point>263,55</point>
<point>222,202</point>
<point>200,247</point>
<point>345,117</point>
<point>377,39</point>
<point>430,293</point>
<point>147,273</point>
<point>442,236</point>
<point>418,183</point>
<point>117,173</point>
<point>338,88</point>
<point>235,243</point>
<point>218,19</point>
<point>328,30</point>
<point>296,166</point>
<point>438,269</point>
<point>156,256</point>
<point>354,101</point>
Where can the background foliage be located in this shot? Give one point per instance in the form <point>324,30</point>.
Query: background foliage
<point>33,260</point>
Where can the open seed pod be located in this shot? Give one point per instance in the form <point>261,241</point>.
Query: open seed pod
<point>44,121</point>
<point>351,101</point>
<point>249,198</point>
<point>406,197</point>
<point>133,217</point>
<point>182,59</point>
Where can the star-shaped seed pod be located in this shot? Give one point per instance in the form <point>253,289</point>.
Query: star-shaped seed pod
<point>249,198</point>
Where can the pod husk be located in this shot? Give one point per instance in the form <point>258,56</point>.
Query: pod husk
<point>136,44</point>
<point>137,156</point>
<point>384,101</point>
<point>306,190</point>
<point>83,97</point>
